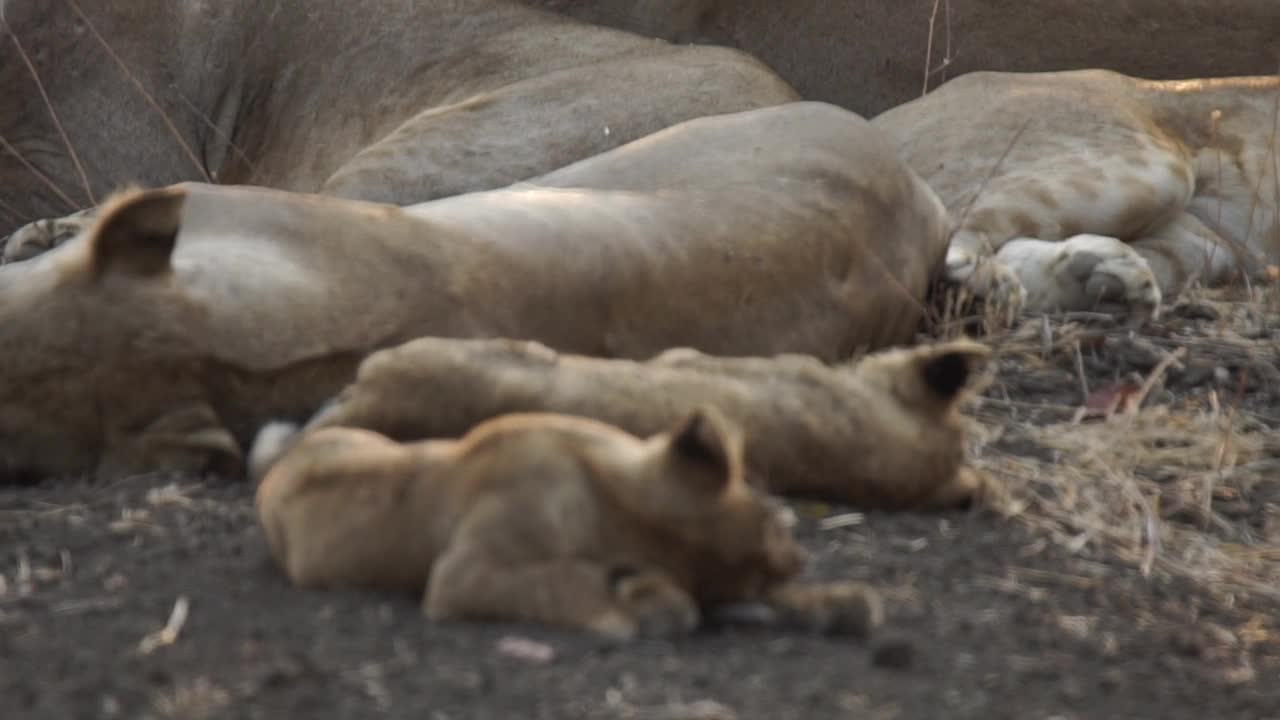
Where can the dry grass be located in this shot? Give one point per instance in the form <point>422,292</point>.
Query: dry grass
<point>1185,487</point>
<point>1181,483</point>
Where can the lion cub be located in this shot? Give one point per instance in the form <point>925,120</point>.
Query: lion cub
<point>545,518</point>
<point>882,432</point>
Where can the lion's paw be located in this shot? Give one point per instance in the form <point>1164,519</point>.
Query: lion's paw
<point>41,236</point>
<point>835,608</point>
<point>1112,275</point>
<point>656,605</point>
<point>988,279</point>
<point>1085,272</point>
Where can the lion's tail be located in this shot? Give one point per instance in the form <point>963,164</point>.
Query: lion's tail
<point>272,441</point>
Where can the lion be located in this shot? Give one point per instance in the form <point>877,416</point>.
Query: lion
<point>186,316</point>
<point>881,432</point>
<point>546,518</point>
<point>1090,189</point>
<point>434,98</point>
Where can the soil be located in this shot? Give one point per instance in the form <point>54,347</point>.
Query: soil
<point>989,613</point>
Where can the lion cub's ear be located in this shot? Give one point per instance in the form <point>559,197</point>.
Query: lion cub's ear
<point>137,232</point>
<point>952,367</point>
<point>927,377</point>
<point>705,439</point>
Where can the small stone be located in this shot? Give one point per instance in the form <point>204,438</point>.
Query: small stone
<point>895,654</point>
<point>526,649</point>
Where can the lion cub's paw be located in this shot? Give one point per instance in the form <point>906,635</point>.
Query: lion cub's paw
<point>654,605</point>
<point>969,488</point>
<point>836,608</point>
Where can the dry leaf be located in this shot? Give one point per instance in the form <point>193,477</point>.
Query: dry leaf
<point>1111,399</point>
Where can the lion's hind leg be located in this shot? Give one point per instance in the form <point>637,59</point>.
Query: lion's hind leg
<point>616,603</point>
<point>1187,250</point>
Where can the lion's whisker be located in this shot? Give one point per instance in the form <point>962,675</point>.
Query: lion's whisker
<point>129,75</point>
<point>53,187</point>
<point>48,104</point>
<point>253,169</point>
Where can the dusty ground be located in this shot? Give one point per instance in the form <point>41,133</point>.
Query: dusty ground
<point>1054,604</point>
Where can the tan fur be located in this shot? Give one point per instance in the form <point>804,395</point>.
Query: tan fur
<point>884,432</point>
<point>1118,193</point>
<point>547,518</point>
<point>187,316</point>
<point>435,97</point>
<point>43,235</point>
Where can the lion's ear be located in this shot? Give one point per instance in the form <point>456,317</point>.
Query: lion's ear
<point>950,368</point>
<point>137,233</point>
<point>927,377</point>
<point>705,440</point>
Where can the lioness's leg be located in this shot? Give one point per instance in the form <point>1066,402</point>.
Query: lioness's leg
<point>36,237</point>
<point>1062,195</point>
<point>1187,250</point>
<point>535,126</point>
<point>621,605</point>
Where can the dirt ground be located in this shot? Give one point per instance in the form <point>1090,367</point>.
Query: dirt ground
<point>1100,585</point>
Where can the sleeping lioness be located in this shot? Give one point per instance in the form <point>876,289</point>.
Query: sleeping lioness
<point>883,432</point>
<point>186,317</point>
<point>545,518</point>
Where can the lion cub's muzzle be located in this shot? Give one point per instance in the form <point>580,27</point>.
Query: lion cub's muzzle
<point>784,556</point>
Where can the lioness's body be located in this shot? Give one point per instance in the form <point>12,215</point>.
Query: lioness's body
<point>396,101</point>
<point>188,316</point>
<point>882,433</point>
<point>541,518</point>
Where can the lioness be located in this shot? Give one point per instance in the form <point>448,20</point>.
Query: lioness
<point>187,316</point>
<point>396,101</point>
<point>545,518</point>
<point>1090,189</point>
<point>883,432</point>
